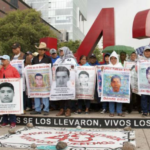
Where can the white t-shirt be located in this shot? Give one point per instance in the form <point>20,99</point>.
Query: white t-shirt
<point>68,61</point>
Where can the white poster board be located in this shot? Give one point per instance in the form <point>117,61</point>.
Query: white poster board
<point>85,82</point>
<point>116,85</point>
<point>144,77</point>
<point>19,65</point>
<point>11,96</point>
<point>38,80</point>
<point>63,82</point>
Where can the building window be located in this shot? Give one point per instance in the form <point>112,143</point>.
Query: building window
<point>14,3</point>
<point>63,12</point>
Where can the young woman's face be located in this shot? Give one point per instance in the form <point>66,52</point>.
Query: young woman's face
<point>113,60</point>
<point>83,60</point>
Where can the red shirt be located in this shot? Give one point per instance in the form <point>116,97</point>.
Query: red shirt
<point>9,72</point>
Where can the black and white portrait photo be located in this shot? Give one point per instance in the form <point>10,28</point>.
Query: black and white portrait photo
<point>83,78</point>
<point>63,83</point>
<point>11,96</point>
<point>85,82</point>
<point>6,92</point>
<point>62,76</point>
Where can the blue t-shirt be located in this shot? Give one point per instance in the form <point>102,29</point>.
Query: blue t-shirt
<point>54,59</point>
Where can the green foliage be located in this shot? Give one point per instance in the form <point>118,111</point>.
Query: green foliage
<point>25,27</point>
<point>74,45</point>
<point>98,52</point>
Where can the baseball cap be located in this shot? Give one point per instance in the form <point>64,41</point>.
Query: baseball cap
<point>53,51</point>
<point>6,57</point>
<point>15,45</point>
<point>93,56</point>
<point>29,53</point>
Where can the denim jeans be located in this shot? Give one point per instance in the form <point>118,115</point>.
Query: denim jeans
<point>9,118</point>
<point>45,102</point>
<point>104,105</point>
<point>145,103</point>
<point>81,102</point>
<point>112,107</point>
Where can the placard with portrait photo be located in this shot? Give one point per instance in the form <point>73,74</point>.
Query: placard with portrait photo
<point>129,64</point>
<point>19,65</point>
<point>63,82</point>
<point>11,96</point>
<point>85,82</point>
<point>38,80</point>
<point>116,85</point>
<point>144,77</point>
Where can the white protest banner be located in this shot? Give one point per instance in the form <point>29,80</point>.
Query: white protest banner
<point>129,64</point>
<point>19,65</point>
<point>144,77</point>
<point>63,82</point>
<point>11,96</point>
<point>134,81</point>
<point>38,80</point>
<point>83,139</point>
<point>116,85</point>
<point>99,80</point>
<point>85,82</point>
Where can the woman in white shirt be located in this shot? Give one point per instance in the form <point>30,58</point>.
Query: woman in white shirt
<point>66,57</point>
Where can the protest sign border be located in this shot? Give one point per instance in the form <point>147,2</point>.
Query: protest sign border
<point>33,94</point>
<point>114,99</point>
<point>20,111</point>
<point>90,97</point>
<point>146,91</point>
<point>53,88</point>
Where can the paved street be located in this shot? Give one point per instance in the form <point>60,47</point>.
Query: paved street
<point>142,135</point>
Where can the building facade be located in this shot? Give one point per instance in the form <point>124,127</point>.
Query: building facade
<point>65,15</point>
<point>7,6</point>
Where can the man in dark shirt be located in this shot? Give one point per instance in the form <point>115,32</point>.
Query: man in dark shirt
<point>41,58</point>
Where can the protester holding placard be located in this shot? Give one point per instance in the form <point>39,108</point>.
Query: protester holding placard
<point>145,98</point>
<point>94,62</point>
<point>66,57</point>
<point>19,55</point>
<point>39,59</point>
<point>106,62</point>
<point>83,76</point>
<point>134,98</point>
<point>114,62</point>
<point>53,57</point>
<point>7,71</point>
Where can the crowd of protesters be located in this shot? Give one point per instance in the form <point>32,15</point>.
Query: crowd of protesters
<point>66,107</point>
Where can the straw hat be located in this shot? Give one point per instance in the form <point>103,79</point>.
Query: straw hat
<point>42,46</point>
